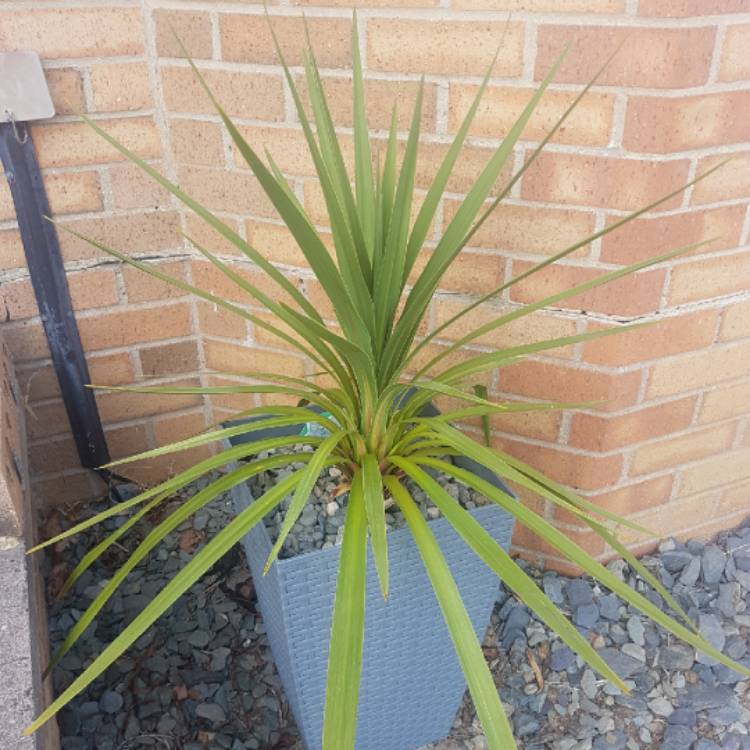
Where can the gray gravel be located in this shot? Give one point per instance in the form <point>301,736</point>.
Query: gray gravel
<point>321,523</point>
<point>203,676</point>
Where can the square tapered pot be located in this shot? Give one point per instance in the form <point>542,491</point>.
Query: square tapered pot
<point>412,683</point>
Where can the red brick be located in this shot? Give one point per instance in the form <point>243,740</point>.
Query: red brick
<point>645,238</point>
<point>709,278</point>
<point>735,63</point>
<point>26,341</point>
<point>223,190</point>
<point>66,89</point>
<point>716,471</point>
<point>666,336</point>
<point>417,46</point>
<point>252,95</point>
<point>625,184</point>
<point>120,406</point>
<point>723,403</point>
<point>681,449</point>
<point>735,499</point>
<point>11,250</point>
<point>128,327</point>
<point>572,469</point>
<point>247,39</point>
<point>649,57</point>
<point>624,501</point>
<point>133,188</point>
<point>88,289</point>
<point>663,125</point>
<point>197,142</point>
<point>193,29</point>
<point>119,87</point>
<point>68,32</point>
<point>599,433</point>
<point>126,441</point>
<point>67,144</point>
<point>216,282</point>
<point>275,242</point>
<point>142,287</point>
<point>39,382</point>
<point>469,273</point>
<point>169,359</point>
<point>136,233</point>
<point>679,518</point>
<point>53,457</point>
<point>225,357</point>
<point>370,3</point>
<point>530,229</point>
<point>630,295</point>
<point>217,321</point>
<point>541,425</point>
<point>208,237</point>
<point>690,8</point>
<point>731,180</point>
<point>539,326</point>
<point>698,370</point>
<point>544,6</point>
<point>554,382</point>
<point>589,124</point>
<point>67,193</point>
<point>736,321</point>
<point>380,98</point>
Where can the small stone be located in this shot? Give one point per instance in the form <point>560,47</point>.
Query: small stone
<point>704,744</point>
<point>561,659</point>
<point>742,560</point>
<point>725,715</point>
<point>211,712</point>
<point>579,592</point>
<point>676,560</point>
<point>690,573</point>
<point>609,607</point>
<point>636,630</point>
<point>634,650</point>
<point>199,639</point>
<point>676,657</point>
<point>677,737</point>
<point>587,615</point>
<point>588,684</point>
<point>683,716</point>
<point>621,663</point>
<point>713,562</point>
<point>661,707</point>
<point>729,599</point>
<point>166,724</point>
<point>110,702</point>
<point>332,508</point>
<point>525,724</point>
<point>219,658</point>
<point>712,631</point>
<point>552,586</point>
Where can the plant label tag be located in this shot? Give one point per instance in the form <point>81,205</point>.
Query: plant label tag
<point>24,95</point>
<point>315,428</point>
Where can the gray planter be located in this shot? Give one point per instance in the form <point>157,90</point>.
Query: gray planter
<point>412,683</point>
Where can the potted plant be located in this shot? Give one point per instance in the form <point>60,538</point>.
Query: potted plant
<point>372,427</point>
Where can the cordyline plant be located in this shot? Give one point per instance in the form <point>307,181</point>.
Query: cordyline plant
<point>371,411</point>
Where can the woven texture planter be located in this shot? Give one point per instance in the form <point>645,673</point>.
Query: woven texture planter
<point>411,680</point>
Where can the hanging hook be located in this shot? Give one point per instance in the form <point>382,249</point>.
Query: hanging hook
<point>14,125</point>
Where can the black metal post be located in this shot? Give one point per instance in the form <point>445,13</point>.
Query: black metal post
<point>50,284</point>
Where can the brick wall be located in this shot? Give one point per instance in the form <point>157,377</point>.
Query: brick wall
<point>670,446</point>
